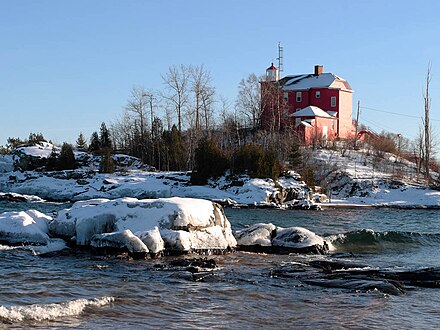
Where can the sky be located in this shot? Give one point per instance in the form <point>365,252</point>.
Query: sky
<point>66,66</point>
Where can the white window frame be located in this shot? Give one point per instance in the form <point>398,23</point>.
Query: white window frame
<point>298,96</point>
<point>318,94</point>
<point>286,96</point>
<point>333,101</point>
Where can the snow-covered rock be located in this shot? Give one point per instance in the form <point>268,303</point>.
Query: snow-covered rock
<point>27,227</point>
<point>296,238</point>
<point>123,240</point>
<point>268,238</point>
<point>257,234</point>
<point>185,224</point>
<point>6,163</point>
<point>152,240</point>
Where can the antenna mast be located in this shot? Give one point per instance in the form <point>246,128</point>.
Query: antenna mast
<point>280,58</point>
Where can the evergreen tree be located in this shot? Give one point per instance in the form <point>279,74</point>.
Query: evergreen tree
<point>95,144</point>
<point>52,160</point>
<point>81,142</point>
<point>66,160</point>
<point>174,152</point>
<point>210,162</point>
<point>107,165</point>
<point>104,137</point>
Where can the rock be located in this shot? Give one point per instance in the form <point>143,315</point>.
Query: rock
<point>122,240</point>
<point>298,239</point>
<point>270,239</point>
<point>259,234</point>
<point>25,227</point>
<point>152,240</point>
<point>185,224</point>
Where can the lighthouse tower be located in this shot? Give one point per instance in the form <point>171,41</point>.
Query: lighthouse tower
<point>272,73</point>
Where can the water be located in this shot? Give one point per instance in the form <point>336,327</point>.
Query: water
<point>83,291</point>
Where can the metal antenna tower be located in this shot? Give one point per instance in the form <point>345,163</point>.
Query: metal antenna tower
<point>280,58</point>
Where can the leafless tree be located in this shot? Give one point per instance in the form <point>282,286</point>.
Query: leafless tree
<point>249,99</point>
<point>202,93</point>
<point>176,94</point>
<point>427,127</point>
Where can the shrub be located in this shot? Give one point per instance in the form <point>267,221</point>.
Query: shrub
<point>210,162</point>
<point>253,160</point>
<point>66,159</point>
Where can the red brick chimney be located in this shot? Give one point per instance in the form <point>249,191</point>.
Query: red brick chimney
<point>318,69</point>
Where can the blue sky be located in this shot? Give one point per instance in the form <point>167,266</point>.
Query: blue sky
<point>66,66</point>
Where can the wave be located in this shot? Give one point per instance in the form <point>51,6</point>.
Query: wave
<point>368,240</point>
<point>43,312</point>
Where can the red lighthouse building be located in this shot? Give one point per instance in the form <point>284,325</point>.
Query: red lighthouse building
<point>316,105</point>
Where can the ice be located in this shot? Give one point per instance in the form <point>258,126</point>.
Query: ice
<point>257,234</point>
<point>119,240</point>
<point>28,227</point>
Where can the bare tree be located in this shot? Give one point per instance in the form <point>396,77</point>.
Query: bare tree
<point>176,81</point>
<point>202,93</point>
<point>427,127</point>
<point>249,99</point>
<point>139,103</point>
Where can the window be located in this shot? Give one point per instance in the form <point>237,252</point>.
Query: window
<point>286,97</point>
<point>333,101</point>
<point>298,96</point>
<point>333,125</point>
<point>318,94</point>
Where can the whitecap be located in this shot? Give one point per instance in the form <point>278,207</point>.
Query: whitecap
<point>42,312</point>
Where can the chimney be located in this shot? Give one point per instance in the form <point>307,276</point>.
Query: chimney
<point>318,70</point>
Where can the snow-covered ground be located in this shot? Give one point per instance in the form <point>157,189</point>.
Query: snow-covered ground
<point>133,180</point>
<point>362,178</point>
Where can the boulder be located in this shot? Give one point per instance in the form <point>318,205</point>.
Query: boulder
<point>271,239</point>
<point>25,227</point>
<point>152,240</point>
<point>122,240</point>
<point>184,224</point>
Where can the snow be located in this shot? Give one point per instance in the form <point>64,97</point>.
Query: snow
<point>7,163</point>
<point>257,234</point>
<point>39,149</point>
<point>311,111</point>
<point>267,235</point>
<point>152,240</point>
<point>29,227</point>
<point>360,177</point>
<point>204,223</point>
<point>83,185</point>
<point>296,237</point>
<point>119,240</point>
<point>303,82</point>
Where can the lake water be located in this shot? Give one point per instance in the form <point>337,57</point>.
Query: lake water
<point>81,290</point>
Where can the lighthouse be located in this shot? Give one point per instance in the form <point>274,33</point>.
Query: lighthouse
<point>272,73</point>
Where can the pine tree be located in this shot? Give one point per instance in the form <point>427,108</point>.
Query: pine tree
<point>81,142</point>
<point>95,144</point>
<point>104,137</point>
<point>66,160</point>
<point>52,160</point>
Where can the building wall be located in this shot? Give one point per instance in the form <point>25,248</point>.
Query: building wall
<point>346,129</point>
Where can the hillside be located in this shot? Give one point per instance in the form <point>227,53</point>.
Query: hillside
<point>368,178</point>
